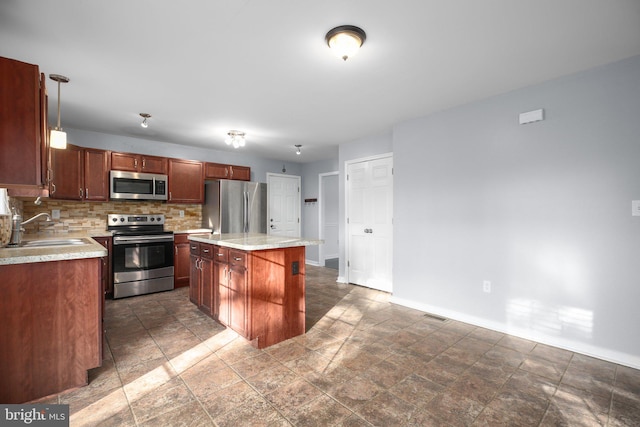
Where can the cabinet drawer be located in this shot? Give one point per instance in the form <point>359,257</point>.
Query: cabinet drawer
<point>206,251</point>
<point>237,259</point>
<point>221,254</point>
<point>194,248</point>
<point>180,238</point>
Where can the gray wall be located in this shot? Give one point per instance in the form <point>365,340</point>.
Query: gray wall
<point>541,210</point>
<point>259,166</point>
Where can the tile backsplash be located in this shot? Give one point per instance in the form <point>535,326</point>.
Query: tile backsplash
<point>80,216</point>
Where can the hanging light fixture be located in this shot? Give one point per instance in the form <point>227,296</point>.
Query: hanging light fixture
<point>346,40</point>
<point>235,138</point>
<point>58,138</point>
<point>298,146</point>
<point>145,116</point>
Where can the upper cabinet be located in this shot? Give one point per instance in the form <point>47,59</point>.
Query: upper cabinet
<point>79,174</point>
<point>138,163</point>
<point>186,183</point>
<point>23,128</point>
<point>221,171</point>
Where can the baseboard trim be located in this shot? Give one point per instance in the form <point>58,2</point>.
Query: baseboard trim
<point>577,347</point>
<point>310,262</point>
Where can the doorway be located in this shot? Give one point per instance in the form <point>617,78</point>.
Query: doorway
<point>283,209</point>
<point>369,217</point>
<point>328,219</point>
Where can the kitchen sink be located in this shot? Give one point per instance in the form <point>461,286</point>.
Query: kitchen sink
<point>53,242</point>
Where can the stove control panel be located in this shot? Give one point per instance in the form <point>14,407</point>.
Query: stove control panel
<point>128,219</point>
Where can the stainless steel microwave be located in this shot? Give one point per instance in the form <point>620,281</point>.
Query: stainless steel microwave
<point>137,186</point>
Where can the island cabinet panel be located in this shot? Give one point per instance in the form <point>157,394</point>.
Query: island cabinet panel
<point>276,295</point>
<point>238,291</point>
<point>51,332</point>
<point>206,279</point>
<point>194,275</point>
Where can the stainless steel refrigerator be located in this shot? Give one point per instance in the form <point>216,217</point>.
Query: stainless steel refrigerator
<point>235,206</point>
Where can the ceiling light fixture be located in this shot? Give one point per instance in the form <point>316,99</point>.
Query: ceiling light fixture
<point>145,116</point>
<point>345,40</point>
<point>235,138</point>
<point>298,146</point>
<point>58,138</point>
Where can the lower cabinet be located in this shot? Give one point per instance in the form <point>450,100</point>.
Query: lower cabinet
<point>107,269</point>
<point>181,260</point>
<point>258,294</point>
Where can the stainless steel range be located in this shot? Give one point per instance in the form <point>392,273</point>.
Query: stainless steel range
<point>142,254</point>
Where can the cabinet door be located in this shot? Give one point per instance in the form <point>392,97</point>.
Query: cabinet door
<point>125,162</point>
<point>152,164</point>
<point>21,121</point>
<point>181,260</point>
<point>96,175</point>
<point>66,171</point>
<point>206,286</point>
<point>107,272</point>
<point>216,171</point>
<point>238,300</point>
<point>186,183</point>
<point>240,173</point>
<point>221,279</point>
<point>194,280</point>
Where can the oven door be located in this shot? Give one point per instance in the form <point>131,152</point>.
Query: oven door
<point>142,257</point>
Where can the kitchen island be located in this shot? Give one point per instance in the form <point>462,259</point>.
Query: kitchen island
<point>51,316</point>
<point>252,283</point>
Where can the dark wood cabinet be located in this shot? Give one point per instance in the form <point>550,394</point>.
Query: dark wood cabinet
<point>79,174</point>
<point>259,294</point>
<point>138,163</point>
<point>107,269</point>
<point>201,280</point>
<point>51,331</point>
<point>23,128</point>
<point>222,171</point>
<point>181,260</point>
<point>186,183</point>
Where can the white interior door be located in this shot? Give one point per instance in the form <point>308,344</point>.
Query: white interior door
<point>284,205</point>
<point>370,223</point>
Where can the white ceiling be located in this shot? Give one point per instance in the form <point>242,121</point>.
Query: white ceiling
<point>203,67</point>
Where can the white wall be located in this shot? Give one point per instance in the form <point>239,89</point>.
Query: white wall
<point>541,210</point>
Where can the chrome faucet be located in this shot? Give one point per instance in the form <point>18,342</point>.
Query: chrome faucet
<point>17,223</point>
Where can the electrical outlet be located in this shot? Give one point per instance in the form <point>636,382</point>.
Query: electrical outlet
<point>181,214</point>
<point>55,213</point>
<point>486,286</point>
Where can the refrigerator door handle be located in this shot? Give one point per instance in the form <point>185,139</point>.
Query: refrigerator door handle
<point>246,211</point>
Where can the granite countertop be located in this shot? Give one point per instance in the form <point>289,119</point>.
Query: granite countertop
<point>253,242</point>
<point>193,231</point>
<point>26,255</point>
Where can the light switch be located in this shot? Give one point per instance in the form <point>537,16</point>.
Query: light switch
<point>635,207</point>
<point>55,213</point>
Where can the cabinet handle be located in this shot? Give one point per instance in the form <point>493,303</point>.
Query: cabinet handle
<point>135,163</point>
<point>206,251</point>
<point>237,258</point>
<point>176,250</point>
<point>169,195</point>
<point>54,188</point>
<point>193,247</point>
<point>144,163</point>
<point>86,193</point>
<point>220,254</point>
<point>226,171</point>
<point>231,171</point>
<point>81,193</point>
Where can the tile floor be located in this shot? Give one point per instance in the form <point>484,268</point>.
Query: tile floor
<point>363,362</point>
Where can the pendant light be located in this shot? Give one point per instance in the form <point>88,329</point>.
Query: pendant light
<point>58,138</point>
<point>345,40</point>
<point>298,147</point>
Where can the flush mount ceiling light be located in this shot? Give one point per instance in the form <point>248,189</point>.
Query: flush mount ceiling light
<point>298,146</point>
<point>345,40</point>
<point>58,138</point>
<point>235,138</point>
<point>145,116</point>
